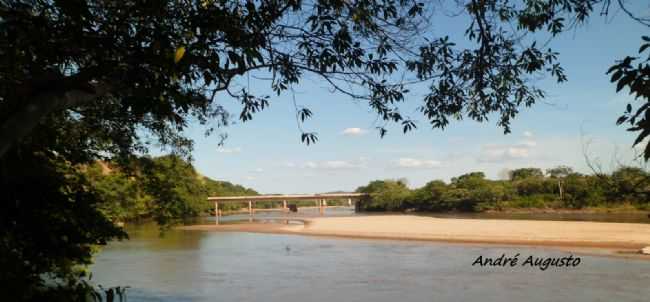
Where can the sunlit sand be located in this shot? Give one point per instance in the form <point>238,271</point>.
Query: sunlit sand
<point>625,236</point>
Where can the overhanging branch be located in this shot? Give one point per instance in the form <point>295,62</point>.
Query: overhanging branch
<point>26,119</point>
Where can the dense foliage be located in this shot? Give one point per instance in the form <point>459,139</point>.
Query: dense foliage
<point>86,80</point>
<point>61,212</point>
<point>49,222</point>
<point>129,65</point>
<point>165,188</point>
<point>224,188</point>
<point>559,188</point>
<point>636,78</point>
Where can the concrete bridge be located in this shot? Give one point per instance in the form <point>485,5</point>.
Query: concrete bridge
<point>320,199</point>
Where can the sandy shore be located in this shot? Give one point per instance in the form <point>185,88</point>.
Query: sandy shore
<point>576,234</point>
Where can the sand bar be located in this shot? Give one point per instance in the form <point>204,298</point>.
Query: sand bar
<point>628,236</point>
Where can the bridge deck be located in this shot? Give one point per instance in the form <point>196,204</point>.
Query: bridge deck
<point>330,196</point>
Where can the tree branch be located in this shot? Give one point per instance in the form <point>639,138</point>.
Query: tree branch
<point>23,122</point>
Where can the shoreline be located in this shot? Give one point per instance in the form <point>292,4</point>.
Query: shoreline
<point>597,238</point>
<point>618,210</point>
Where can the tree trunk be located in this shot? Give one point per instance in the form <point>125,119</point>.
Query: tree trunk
<point>23,122</point>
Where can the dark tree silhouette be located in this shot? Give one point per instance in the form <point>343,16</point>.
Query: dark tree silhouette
<point>87,80</point>
<point>130,64</point>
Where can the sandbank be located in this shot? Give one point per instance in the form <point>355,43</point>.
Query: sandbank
<point>572,235</point>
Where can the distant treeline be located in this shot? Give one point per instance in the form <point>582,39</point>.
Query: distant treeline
<point>165,188</point>
<point>558,188</point>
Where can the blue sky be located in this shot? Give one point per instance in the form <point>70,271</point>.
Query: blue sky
<point>266,154</point>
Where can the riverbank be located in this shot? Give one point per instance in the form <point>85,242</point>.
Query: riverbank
<point>620,209</point>
<point>600,237</point>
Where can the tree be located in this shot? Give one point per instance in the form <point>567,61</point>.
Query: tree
<point>134,191</point>
<point>429,197</point>
<point>630,184</point>
<point>524,173</point>
<point>472,192</point>
<point>559,173</point>
<point>128,64</point>
<point>637,80</point>
<point>224,188</point>
<point>457,199</point>
<point>385,195</point>
<point>176,187</point>
<point>469,180</point>
<point>155,65</point>
<point>122,196</point>
<point>88,80</point>
<point>584,191</point>
<point>49,224</point>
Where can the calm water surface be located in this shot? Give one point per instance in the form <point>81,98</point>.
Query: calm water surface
<point>210,266</point>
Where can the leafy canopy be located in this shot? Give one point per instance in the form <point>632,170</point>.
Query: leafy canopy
<point>626,188</point>
<point>83,80</point>
<point>129,65</point>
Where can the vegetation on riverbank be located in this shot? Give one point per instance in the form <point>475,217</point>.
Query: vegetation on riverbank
<point>167,189</point>
<point>526,188</point>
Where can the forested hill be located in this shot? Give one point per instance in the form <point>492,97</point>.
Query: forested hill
<point>225,188</point>
<point>165,188</point>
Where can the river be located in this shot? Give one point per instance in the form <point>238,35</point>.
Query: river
<point>214,266</point>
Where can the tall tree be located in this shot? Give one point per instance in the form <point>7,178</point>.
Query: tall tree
<point>524,173</point>
<point>82,80</point>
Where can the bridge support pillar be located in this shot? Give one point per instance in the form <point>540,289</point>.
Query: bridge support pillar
<point>216,212</point>
<point>284,205</point>
<point>250,208</point>
<point>349,202</point>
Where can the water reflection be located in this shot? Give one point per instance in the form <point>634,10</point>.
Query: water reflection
<point>273,216</point>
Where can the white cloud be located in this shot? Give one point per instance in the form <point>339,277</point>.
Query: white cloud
<point>493,153</point>
<point>503,153</point>
<point>229,150</point>
<point>354,131</point>
<point>258,170</point>
<point>413,163</point>
<point>290,165</point>
<point>250,177</point>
